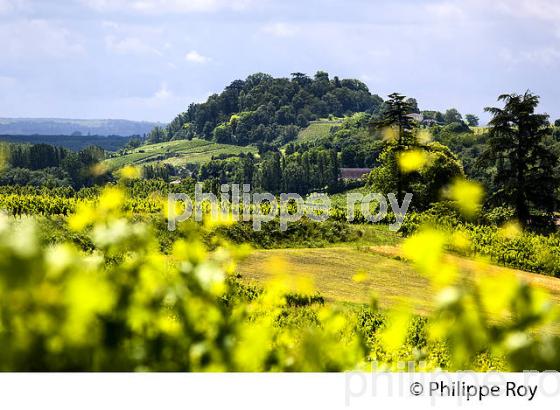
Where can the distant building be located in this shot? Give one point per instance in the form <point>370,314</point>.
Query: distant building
<point>417,117</point>
<point>353,173</point>
<point>429,122</point>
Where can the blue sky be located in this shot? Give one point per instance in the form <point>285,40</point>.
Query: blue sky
<point>148,59</point>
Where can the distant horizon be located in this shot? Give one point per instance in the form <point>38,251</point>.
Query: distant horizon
<point>82,119</point>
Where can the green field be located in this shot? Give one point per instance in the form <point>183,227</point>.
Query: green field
<point>317,130</point>
<point>182,152</point>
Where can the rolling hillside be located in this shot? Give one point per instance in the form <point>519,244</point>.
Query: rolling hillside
<point>197,151</point>
<point>317,130</point>
<point>182,152</point>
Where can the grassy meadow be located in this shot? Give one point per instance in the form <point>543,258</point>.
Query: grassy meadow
<point>176,153</point>
<point>317,130</point>
<point>388,277</point>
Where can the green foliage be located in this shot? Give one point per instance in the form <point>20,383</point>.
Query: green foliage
<point>468,147</point>
<point>73,142</point>
<point>128,307</point>
<point>472,120</point>
<point>456,127</point>
<point>358,147</point>
<point>305,233</point>
<point>440,168</point>
<point>525,176</point>
<point>266,109</point>
<point>50,166</point>
<point>452,115</point>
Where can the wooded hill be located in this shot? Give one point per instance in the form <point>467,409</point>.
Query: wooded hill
<point>264,109</point>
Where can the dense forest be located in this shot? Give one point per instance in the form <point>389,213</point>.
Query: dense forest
<point>265,109</point>
<point>52,166</point>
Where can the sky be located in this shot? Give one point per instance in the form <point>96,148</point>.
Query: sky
<point>149,59</point>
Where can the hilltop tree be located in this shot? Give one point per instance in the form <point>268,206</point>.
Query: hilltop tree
<point>525,177</point>
<point>472,120</point>
<point>413,105</point>
<point>397,119</point>
<point>452,115</point>
<point>397,115</point>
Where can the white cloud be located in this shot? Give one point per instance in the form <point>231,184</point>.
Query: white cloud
<point>280,29</point>
<point>547,10</point>
<point>32,38</point>
<point>195,57</point>
<point>370,78</point>
<point>544,56</point>
<point>163,93</point>
<point>129,45</point>
<point>162,105</point>
<point>539,9</point>
<point>168,6</point>
<point>446,9</point>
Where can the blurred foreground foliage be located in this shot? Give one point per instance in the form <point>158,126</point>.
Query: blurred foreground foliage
<point>107,296</point>
<point>123,304</point>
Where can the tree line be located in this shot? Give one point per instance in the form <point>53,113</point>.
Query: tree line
<point>48,165</point>
<point>302,171</point>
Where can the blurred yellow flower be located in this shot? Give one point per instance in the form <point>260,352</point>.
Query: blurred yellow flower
<point>220,219</point>
<point>359,277</point>
<point>389,134</point>
<point>467,195</point>
<point>423,136</point>
<point>130,172</point>
<point>413,160</point>
<point>84,215</point>
<point>99,169</point>
<point>394,334</point>
<point>425,249</point>
<point>111,198</point>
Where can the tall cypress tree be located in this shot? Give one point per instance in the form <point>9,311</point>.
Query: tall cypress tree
<point>397,116</point>
<point>525,177</point>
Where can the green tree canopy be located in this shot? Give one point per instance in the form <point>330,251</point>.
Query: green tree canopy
<point>452,115</point>
<point>472,120</point>
<point>525,177</point>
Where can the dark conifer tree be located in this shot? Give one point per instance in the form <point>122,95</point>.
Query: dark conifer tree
<point>525,177</point>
